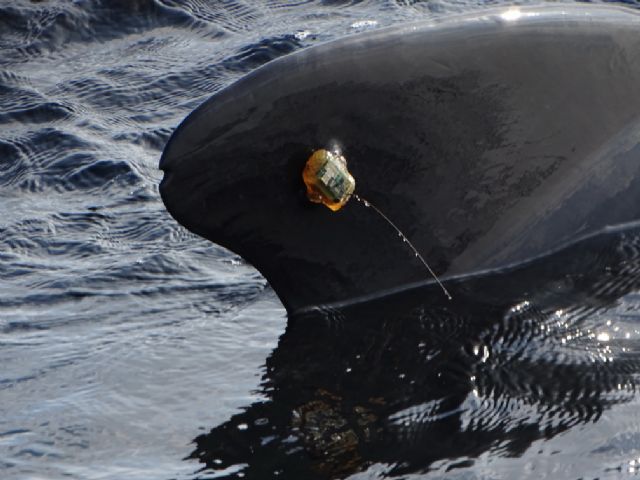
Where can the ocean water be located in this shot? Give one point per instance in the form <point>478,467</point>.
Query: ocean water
<point>132,349</point>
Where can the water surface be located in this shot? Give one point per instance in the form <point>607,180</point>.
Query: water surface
<point>132,349</point>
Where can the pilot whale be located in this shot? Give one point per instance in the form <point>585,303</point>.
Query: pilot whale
<point>489,138</point>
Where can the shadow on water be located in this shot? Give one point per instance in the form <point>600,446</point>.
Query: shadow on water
<point>412,378</point>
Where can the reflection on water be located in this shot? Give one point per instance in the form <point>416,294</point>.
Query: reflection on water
<point>415,383</point>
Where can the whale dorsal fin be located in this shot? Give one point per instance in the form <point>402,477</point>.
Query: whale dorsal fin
<point>488,138</point>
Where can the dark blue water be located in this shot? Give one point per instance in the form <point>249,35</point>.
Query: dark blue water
<point>129,348</point>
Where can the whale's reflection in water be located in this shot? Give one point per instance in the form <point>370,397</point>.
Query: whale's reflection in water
<point>413,379</point>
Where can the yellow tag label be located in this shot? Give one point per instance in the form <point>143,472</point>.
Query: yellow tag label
<point>327,179</point>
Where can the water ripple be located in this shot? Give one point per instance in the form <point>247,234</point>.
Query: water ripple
<point>116,323</point>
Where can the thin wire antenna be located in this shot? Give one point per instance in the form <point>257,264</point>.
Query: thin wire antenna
<point>406,240</point>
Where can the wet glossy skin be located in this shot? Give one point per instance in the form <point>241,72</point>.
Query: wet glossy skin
<point>488,139</point>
